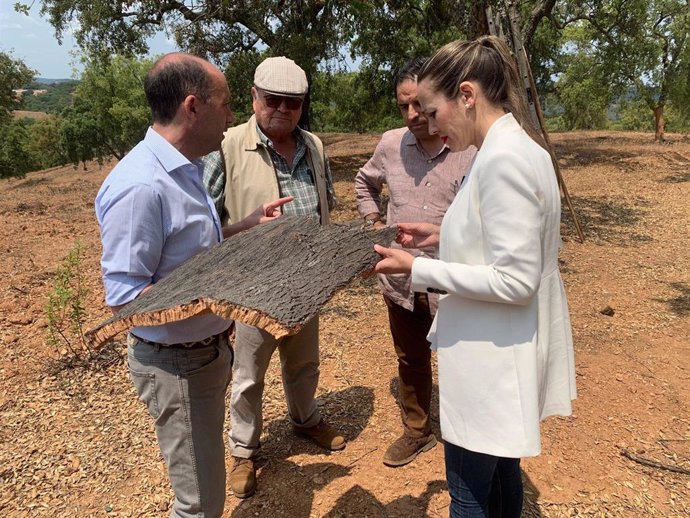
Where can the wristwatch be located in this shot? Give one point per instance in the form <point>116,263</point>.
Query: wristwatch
<point>370,221</point>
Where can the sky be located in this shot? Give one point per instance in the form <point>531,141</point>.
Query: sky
<point>32,39</point>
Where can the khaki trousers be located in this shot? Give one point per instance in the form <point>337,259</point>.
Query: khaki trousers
<point>299,362</point>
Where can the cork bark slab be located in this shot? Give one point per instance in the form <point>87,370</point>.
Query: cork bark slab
<point>274,276</point>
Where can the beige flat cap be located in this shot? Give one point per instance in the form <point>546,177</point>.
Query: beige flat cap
<point>281,76</point>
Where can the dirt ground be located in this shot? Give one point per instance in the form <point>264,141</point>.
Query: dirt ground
<point>76,443</point>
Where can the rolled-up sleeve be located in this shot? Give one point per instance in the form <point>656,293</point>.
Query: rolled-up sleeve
<point>369,183</point>
<point>132,234</point>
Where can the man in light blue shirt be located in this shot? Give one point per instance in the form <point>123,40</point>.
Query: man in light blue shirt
<point>154,214</point>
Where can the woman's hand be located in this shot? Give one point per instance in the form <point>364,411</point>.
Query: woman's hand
<point>418,235</point>
<point>394,260</point>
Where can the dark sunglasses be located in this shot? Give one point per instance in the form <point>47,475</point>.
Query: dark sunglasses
<point>274,101</point>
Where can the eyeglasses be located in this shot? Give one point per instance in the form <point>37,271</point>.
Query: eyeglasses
<point>274,101</point>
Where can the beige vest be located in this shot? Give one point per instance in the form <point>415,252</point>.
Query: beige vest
<point>250,177</point>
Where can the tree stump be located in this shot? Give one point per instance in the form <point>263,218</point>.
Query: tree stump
<point>275,276</point>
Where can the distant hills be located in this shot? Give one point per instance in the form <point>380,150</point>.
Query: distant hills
<point>50,81</point>
<point>56,94</point>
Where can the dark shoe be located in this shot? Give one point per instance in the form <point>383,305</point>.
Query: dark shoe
<point>243,478</point>
<point>323,435</point>
<point>406,448</point>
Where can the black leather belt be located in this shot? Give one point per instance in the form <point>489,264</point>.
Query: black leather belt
<point>184,345</point>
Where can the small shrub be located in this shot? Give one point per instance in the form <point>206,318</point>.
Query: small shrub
<point>65,311</point>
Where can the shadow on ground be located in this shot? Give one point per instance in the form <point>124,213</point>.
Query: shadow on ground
<point>584,152</point>
<point>358,502</point>
<point>530,507</point>
<point>606,220</point>
<point>679,305</point>
<point>286,488</point>
<point>344,168</point>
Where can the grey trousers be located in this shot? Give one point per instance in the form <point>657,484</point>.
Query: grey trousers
<point>184,391</point>
<point>299,360</point>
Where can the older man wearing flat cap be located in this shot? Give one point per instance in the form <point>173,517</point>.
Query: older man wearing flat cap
<point>265,156</point>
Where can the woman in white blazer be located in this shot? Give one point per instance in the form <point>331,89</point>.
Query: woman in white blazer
<point>502,331</point>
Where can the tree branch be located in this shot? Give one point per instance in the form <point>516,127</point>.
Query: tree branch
<point>654,464</point>
<point>542,10</point>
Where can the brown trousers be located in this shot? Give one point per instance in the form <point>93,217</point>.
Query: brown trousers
<point>409,330</point>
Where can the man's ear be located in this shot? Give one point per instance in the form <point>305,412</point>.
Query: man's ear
<point>255,94</point>
<point>189,104</point>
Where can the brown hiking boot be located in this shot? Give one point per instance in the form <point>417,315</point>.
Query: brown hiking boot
<point>243,477</point>
<point>406,448</point>
<point>323,435</point>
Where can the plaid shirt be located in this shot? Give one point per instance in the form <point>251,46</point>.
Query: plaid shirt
<point>214,179</point>
<point>296,180</point>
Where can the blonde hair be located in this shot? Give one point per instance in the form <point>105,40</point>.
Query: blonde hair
<point>488,62</point>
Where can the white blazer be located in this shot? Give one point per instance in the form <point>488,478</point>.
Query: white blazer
<point>502,331</point>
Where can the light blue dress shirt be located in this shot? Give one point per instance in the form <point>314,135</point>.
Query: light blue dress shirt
<point>154,214</point>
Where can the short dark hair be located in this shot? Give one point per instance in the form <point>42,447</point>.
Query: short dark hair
<point>408,72</point>
<point>171,80</point>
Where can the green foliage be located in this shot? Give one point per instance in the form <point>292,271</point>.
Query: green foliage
<point>65,311</point>
<point>582,90</point>
<point>13,74</point>
<point>308,31</point>
<point>640,44</point>
<point>57,98</point>
<point>109,114</point>
<point>43,144</point>
<point>634,116</point>
<point>386,34</point>
<point>15,160</point>
<point>240,76</point>
<point>586,52</point>
<point>354,102</point>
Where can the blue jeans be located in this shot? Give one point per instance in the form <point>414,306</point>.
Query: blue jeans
<point>481,485</point>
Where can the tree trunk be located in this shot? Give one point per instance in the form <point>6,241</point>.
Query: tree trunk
<point>659,124</point>
<point>479,25</point>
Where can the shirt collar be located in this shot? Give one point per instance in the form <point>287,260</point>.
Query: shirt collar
<point>299,140</point>
<point>410,140</point>
<point>168,156</point>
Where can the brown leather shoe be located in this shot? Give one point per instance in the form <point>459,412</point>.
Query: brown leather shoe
<point>243,477</point>
<point>406,448</point>
<point>322,435</point>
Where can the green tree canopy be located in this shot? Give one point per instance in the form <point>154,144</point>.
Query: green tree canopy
<point>109,114</point>
<point>308,31</point>
<point>641,44</point>
<point>13,74</point>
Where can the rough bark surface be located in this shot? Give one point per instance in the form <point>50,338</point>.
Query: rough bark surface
<point>275,276</point>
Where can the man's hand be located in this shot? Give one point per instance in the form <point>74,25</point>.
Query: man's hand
<point>418,235</point>
<point>263,214</point>
<point>270,211</point>
<point>394,260</point>
<point>378,224</point>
